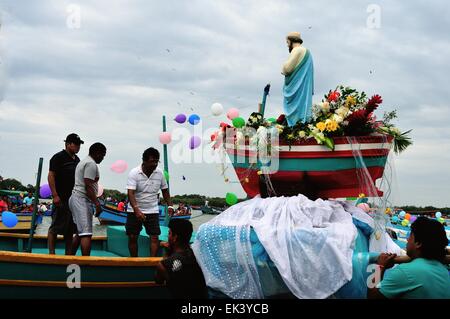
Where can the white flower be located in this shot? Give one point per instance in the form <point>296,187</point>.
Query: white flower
<point>342,111</point>
<point>338,118</point>
<point>325,107</point>
<point>301,134</point>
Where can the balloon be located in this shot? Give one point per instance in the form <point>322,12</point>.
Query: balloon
<point>232,113</point>
<point>395,219</point>
<point>402,214</point>
<point>166,175</point>
<point>165,137</point>
<point>119,166</point>
<point>9,219</point>
<point>180,118</point>
<point>365,207</point>
<point>194,119</point>
<point>412,219</point>
<point>438,215</point>
<point>407,216</point>
<point>45,191</point>
<point>238,122</point>
<point>272,120</point>
<point>194,142</point>
<point>216,109</point>
<point>405,222</point>
<point>441,220</point>
<point>231,199</point>
<point>100,190</point>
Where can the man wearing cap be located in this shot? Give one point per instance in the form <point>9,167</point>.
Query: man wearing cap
<point>61,179</point>
<point>298,86</point>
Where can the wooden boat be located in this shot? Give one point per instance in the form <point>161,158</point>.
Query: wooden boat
<point>108,273</point>
<point>211,210</point>
<point>313,169</point>
<point>111,216</point>
<point>23,225</point>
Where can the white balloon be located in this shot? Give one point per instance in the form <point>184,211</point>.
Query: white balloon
<point>217,109</point>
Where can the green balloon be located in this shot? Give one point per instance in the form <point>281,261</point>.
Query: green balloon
<point>238,122</point>
<point>271,120</point>
<point>166,175</point>
<point>231,199</point>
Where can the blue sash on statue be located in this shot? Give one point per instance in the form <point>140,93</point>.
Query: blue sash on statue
<point>298,90</point>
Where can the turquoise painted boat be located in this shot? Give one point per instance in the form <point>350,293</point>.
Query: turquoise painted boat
<point>108,273</point>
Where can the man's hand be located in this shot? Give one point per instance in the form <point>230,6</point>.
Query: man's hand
<point>140,215</point>
<point>57,200</point>
<point>98,209</point>
<point>386,260</point>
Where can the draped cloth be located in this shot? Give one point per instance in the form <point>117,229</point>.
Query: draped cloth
<point>298,90</point>
<point>310,243</point>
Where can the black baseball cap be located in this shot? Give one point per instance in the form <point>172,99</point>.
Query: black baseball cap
<point>74,138</point>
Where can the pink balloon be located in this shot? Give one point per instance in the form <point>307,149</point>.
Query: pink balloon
<point>365,207</point>
<point>165,137</point>
<point>119,166</point>
<point>100,190</point>
<point>194,142</point>
<point>232,113</point>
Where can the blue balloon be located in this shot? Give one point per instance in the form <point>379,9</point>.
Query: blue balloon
<point>438,215</point>
<point>194,119</point>
<point>395,219</point>
<point>9,219</point>
<point>402,214</point>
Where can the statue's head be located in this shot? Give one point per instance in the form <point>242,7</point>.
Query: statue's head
<point>293,37</point>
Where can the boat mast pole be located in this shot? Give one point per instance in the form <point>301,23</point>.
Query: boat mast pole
<point>35,205</point>
<point>166,168</point>
<point>262,107</point>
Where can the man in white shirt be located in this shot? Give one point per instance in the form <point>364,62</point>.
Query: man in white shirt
<point>144,183</point>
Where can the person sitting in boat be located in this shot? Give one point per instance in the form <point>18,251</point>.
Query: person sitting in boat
<point>298,86</point>
<point>121,206</point>
<point>4,204</point>
<point>425,276</point>
<point>28,200</point>
<point>179,269</point>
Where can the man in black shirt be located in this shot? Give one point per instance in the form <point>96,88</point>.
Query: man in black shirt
<point>61,179</point>
<point>180,269</point>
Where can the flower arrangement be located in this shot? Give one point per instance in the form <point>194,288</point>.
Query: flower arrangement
<point>342,112</point>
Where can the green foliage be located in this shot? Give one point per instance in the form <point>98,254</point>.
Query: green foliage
<point>14,184</point>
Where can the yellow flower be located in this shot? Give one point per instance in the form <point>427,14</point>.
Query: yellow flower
<point>331,125</point>
<point>350,100</point>
<point>321,126</point>
<point>362,195</point>
<point>290,136</point>
<point>301,134</point>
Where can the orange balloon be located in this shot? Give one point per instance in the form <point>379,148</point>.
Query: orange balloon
<point>407,216</point>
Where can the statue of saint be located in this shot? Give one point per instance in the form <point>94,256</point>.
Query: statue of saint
<point>298,86</point>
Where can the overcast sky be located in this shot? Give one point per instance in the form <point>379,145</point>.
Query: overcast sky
<point>111,75</point>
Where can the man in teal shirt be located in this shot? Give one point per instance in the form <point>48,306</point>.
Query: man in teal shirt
<point>28,201</point>
<point>425,276</point>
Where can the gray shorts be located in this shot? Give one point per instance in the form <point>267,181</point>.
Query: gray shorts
<point>82,213</point>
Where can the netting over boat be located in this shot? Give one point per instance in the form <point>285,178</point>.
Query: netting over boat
<point>379,192</point>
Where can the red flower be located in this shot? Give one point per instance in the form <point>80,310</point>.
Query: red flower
<point>281,119</point>
<point>333,96</point>
<point>373,103</point>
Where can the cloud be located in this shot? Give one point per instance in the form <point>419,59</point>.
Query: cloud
<point>131,62</point>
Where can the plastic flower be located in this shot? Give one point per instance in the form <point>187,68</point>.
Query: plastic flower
<point>337,118</point>
<point>321,126</point>
<point>331,125</point>
<point>325,107</point>
<point>350,101</point>
<point>333,96</point>
<point>302,134</point>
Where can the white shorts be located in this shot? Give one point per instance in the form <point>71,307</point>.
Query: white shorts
<point>82,213</point>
